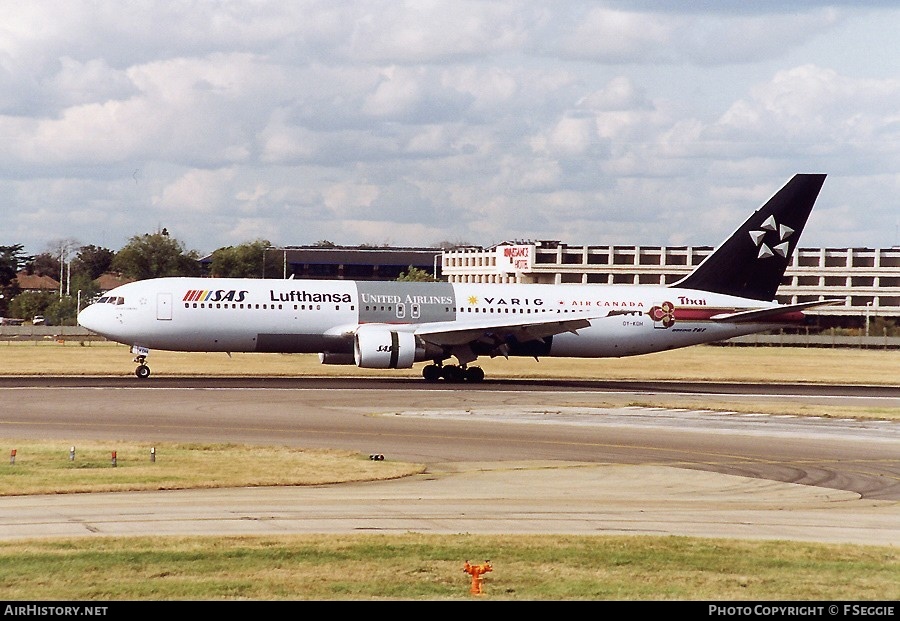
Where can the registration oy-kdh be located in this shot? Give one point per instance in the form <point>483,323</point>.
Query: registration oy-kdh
<point>477,572</point>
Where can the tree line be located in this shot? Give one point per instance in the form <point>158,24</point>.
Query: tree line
<point>152,255</point>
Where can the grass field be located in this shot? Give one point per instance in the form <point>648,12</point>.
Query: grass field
<point>413,566</point>
<point>699,363</point>
<point>430,567</point>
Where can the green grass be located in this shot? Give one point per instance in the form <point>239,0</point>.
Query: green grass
<point>412,566</point>
<point>699,363</point>
<point>430,567</point>
<point>48,467</point>
<point>371,567</point>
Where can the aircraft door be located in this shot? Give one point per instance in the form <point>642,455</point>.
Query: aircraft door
<point>164,306</point>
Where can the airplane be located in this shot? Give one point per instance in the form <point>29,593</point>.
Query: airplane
<point>394,325</point>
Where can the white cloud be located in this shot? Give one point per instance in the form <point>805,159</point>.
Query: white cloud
<point>398,92</point>
<point>415,122</point>
<point>427,31</point>
<point>613,35</point>
<point>197,192</point>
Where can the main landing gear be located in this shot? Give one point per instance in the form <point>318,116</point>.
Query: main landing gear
<point>452,373</point>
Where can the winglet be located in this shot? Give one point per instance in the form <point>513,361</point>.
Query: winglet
<point>751,263</point>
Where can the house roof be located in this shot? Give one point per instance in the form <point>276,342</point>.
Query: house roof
<point>110,280</point>
<point>34,282</point>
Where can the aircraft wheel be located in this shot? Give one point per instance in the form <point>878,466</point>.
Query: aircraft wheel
<point>474,374</point>
<point>143,371</point>
<point>453,373</point>
<point>431,372</point>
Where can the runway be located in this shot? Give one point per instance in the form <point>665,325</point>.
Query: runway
<point>505,457</point>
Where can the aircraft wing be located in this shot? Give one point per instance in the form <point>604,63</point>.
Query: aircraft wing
<point>761,314</point>
<point>462,332</point>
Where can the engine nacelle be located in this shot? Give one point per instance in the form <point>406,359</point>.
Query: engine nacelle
<point>328,357</point>
<point>379,347</point>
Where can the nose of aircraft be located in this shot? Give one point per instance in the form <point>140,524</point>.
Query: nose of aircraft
<point>87,318</point>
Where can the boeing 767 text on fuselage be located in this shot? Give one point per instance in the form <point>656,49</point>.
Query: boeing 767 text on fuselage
<point>394,325</point>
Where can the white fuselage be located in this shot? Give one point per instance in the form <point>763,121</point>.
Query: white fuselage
<point>297,316</point>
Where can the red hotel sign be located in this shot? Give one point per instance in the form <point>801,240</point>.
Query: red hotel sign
<point>515,258</point>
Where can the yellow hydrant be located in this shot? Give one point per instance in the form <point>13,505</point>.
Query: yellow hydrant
<point>477,572</point>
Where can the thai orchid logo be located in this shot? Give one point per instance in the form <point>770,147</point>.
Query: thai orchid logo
<point>663,315</point>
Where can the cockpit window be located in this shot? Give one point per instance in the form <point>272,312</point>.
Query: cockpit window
<point>111,299</point>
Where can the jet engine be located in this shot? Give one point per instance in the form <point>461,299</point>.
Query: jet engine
<point>328,357</point>
<point>379,347</point>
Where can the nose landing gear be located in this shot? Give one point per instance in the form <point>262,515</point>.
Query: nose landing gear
<point>142,371</point>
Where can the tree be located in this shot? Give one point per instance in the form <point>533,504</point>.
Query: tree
<point>58,254</point>
<point>61,311</point>
<point>12,260</point>
<point>93,261</point>
<point>414,274</point>
<point>30,303</point>
<point>450,245</point>
<point>244,261</point>
<point>154,256</point>
<point>45,264</point>
<point>84,289</point>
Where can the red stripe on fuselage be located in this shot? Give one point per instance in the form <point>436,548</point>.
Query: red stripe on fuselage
<point>704,314</point>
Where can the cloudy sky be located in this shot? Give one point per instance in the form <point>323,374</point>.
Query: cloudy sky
<point>412,123</point>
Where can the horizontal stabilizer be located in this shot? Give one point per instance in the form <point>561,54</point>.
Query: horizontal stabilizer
<point>760,314</point>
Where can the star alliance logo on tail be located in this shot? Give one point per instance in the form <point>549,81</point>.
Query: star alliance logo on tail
<point>783,232</point>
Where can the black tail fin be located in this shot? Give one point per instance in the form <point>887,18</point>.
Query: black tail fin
<point>751,263</point>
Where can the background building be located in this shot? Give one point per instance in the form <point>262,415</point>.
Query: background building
<point>348,262</point>
<point>868,280</point>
